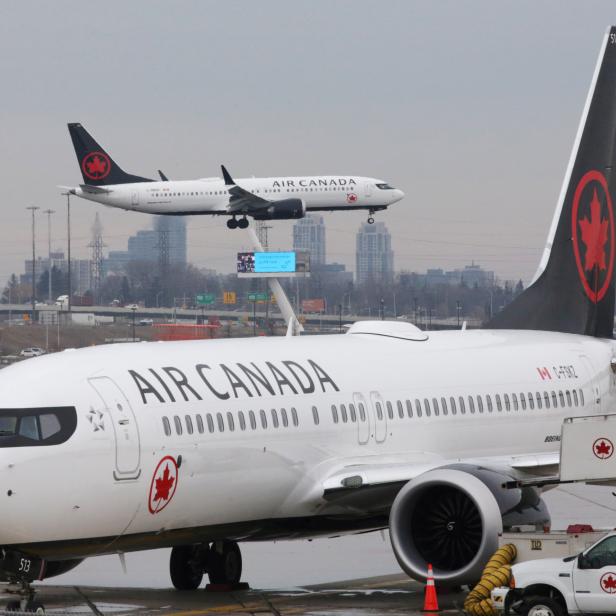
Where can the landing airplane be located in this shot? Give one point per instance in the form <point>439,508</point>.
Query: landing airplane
<point>276,198</point>
<point>202,445</point>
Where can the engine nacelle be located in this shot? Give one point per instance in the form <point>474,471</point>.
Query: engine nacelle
<point>285,209</point>
<point>450,517</point>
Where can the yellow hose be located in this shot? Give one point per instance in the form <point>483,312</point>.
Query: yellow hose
<point>496,573</point>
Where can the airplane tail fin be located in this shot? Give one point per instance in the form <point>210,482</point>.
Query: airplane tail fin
<point>97,167</point>
<point>573,289</point>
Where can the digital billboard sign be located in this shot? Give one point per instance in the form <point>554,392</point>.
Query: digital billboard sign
<point>272,264</point>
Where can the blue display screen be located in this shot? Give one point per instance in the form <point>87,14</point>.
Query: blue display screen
<point>274,262</point>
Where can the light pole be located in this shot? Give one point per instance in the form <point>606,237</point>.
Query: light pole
<point>340,318</point>
<point>68,225</point>
<point>458,308</point>
<point>134,309</point>
<point>49,213</point>
<point>33,209</point>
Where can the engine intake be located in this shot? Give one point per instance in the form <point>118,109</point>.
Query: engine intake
<point>451,517</point>
<point>285,209</point>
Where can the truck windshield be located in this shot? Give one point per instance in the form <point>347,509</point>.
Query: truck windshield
<point>35,427</point>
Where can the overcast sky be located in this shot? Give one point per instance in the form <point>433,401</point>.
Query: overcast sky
<point>469,107</point>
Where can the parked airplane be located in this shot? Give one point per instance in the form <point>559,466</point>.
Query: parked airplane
<point>276,198</point>
<point>201,445</point>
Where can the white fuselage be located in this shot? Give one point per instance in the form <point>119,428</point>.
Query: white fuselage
<point>92,494</point>
<point>211,195</point>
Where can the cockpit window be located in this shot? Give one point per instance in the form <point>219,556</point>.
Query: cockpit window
<point>36,427</point>
<point>385,187</point>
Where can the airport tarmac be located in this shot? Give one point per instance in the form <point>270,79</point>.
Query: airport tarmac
<point>389,595</point>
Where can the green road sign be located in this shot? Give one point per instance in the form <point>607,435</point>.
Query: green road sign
<point>205,298</point>
<point>258,297</point>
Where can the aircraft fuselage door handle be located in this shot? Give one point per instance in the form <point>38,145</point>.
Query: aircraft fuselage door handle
<point>123,422</point>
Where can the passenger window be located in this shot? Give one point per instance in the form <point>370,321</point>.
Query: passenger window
<point>531,401</point>
<point>546,399</point>
<point>514,401</point>
<point>499,404</point>
<point>568,394</point>
<point>554,400</point>
<point>435,406</point>
<point>418,407</point>
<point>462,405</point>
<point>294,416</point>
<point>390,410</point>
<point>221,422</point>
<point>275,418</point>
<point>471,404</point>
<point>230,422</point>
<point>253,420</point>
<point>379,411</point>
<point>444,406</point>
<point>200,428</point>
<point>50,425</point>
<point>480,404</point>
<point>263,419</point>
<point>166,426</point>
<point>489,403</point>
<point>240,416</point>
<point>189,424</point>
<point>538,395</point>
<point>285,419</point>
<point>581,397</point>
<point>409,409</point>
<point>343,413</point>
<point>400,410</point>
<point>575,397</point>
<point>523,400</point>
<point>315,415</point>
<point>427,407</point>
<point>335,413</point>
<point>362,411</point>
<point>178,425</point>
<point>452,404</point>
<point>352,413</point>
<point>561,398</point>
<point>210,423</point>
<point>507,402</point>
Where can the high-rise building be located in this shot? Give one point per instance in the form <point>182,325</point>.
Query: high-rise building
<point>374,258</point>
<point>309,236</point>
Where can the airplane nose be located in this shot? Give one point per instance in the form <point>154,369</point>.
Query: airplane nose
<point>398,195</point>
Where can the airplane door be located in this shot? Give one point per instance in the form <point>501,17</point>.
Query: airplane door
<point>380,417</point>
<point>593,386</point>
<point>125,428</point>
<point>368,189</point>
<point>135,198</point>
<point>364,424</point>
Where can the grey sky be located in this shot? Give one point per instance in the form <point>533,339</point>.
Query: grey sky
<point>469,107</point>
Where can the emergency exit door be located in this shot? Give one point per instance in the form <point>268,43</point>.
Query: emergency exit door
<point>116,406</point>
<point>380,417</point>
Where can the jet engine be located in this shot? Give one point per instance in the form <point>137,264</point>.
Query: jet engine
<point>285,209</point>
<point>450,517</point>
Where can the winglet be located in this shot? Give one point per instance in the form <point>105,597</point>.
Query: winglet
<point>228,179</point>
<point>163,177</point>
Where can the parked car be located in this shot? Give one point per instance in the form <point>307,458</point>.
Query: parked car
<point>32,352</point>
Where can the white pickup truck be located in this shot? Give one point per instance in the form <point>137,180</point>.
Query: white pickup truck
<point>582,584</point>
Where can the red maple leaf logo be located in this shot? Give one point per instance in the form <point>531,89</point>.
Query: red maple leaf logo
<point>594,236</point>
<point>164,485</point>
<point>603,449</point>
<point>609,583</point>
<point>96,165</point>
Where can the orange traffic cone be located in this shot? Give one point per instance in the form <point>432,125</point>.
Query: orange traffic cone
<point>430,600</point>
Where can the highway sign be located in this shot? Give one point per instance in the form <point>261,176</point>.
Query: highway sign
<point>229,297</point>
<point>205,298</point>
<point>258,297</point>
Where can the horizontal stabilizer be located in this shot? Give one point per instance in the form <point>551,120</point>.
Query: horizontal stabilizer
<point>95,190</point>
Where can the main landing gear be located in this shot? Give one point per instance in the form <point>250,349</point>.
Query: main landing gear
<point>234,223</point>
<point>27,599</point>
<point>221,560</point>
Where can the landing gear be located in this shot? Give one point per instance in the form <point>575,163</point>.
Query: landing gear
<point>370,217</point>
<point>27,601</point>
<point>222,561</point>
<point>186,566</point>
<point>225,563</point>
<point>232,223</point>
<point>242,223</point>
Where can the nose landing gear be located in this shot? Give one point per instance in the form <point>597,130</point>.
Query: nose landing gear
<point>222,561</point>
<point>27,599</point>
<point>371,216</point>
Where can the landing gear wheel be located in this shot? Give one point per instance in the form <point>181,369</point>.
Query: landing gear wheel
<point>232,223</point>
<point>225,563</point>
<point>31,606</point>
<point>242,223</point>
<point>370,220</point>
<point>186,567</point>
<point>542,606</point>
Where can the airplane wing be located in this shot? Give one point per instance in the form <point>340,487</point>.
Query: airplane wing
<point>372,488</point>
<point>241,200</point>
